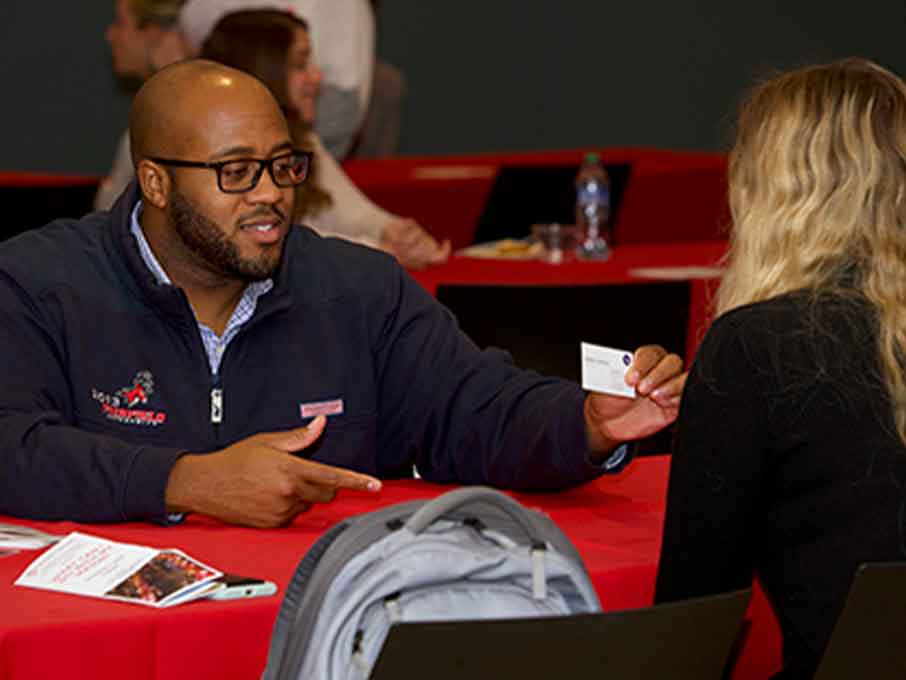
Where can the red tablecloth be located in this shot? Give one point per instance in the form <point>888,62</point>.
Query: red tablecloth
<point>615,522</point>
<point>625,266</point>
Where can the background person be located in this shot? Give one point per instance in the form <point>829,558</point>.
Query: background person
<point>790,450</point>
<point>271,366</point>
<point>143,36</point>
<point>379,134</point>
<point>343,38</point>
<point>274,47</point>
<point>333,204</point>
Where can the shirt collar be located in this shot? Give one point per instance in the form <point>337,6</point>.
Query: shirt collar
<point>255,289</point>
<point>144,248</point>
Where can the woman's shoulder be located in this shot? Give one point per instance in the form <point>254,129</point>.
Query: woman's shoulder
<point>756,324</point>
<point>796,333</point>
<point>793,314</point>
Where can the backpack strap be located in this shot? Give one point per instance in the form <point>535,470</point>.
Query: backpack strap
<point>470,495</point>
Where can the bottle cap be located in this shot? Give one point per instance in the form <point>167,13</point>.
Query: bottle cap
<point>592,157</point>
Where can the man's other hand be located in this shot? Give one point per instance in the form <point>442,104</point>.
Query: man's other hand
<point>257,481</point>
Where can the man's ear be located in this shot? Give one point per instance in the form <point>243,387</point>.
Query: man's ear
<point>154,182</point>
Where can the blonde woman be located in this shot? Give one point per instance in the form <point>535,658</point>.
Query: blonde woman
<point>790,455</point>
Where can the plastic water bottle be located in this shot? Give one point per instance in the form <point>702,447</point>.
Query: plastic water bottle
<point>592,209</point>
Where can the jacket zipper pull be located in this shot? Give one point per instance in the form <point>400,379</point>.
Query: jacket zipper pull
<point>216,406</point>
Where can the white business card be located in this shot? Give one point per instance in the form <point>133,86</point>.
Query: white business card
<point>604,370</point>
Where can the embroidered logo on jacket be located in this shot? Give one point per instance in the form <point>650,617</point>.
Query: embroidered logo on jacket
<point>321,408</point>
<point>120,406</point>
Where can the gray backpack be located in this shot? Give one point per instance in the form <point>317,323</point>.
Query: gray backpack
<point>473,553</point>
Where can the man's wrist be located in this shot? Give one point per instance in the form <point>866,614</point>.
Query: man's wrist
<point>600,446</point>
<point>180,485</point>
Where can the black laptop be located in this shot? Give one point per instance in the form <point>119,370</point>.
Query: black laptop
<point>688,640</point>
<point>869,640</point>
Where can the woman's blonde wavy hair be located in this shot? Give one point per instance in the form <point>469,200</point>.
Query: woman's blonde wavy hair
<point>818,197</point>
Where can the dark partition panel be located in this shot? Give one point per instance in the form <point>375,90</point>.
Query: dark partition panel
<point>542,326</point>
<point>28,207</point>
<point>525,195</point>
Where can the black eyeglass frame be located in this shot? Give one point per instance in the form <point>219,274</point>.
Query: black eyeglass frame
<point>218,166</point>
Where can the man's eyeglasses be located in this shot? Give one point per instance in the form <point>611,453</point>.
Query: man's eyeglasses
<point>239,175</point>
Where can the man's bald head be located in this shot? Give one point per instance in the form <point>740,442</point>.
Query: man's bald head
<point>186,98</point>
<point>189,122</point>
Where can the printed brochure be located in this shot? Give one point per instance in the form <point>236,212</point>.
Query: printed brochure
<point>88,565</point>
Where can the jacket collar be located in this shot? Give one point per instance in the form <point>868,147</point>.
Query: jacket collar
<point>170,300</point>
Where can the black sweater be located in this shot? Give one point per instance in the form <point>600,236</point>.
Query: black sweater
<point>786,464</point>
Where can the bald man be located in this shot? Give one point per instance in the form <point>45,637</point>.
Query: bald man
<point>191,351</point>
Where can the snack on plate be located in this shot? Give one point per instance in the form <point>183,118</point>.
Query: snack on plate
<point>506,249</point>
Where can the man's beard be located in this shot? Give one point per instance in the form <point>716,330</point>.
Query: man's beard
<point>206,240</point>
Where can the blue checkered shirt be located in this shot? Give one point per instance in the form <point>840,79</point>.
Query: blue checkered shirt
<point>214,345</point>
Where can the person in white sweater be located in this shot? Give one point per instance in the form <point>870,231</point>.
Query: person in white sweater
<point>343,37</point>
<point>274,46</point>
<point>144,36</point>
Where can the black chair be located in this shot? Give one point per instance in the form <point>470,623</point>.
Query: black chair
<point>869,640</point>
<point>688,640</point>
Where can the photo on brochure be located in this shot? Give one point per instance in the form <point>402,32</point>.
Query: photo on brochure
<point>166,573</point>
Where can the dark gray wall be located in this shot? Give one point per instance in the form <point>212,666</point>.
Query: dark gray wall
<point>62,109</point>
<point>483,75</point>
<point>518,74</point>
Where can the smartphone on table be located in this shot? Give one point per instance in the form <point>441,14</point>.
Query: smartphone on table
<point>234,587</point>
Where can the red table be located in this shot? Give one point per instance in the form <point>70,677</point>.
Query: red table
<point>620,269</point>
<point>670,196</point>
<point>615,522</point>
<point>12,178</point>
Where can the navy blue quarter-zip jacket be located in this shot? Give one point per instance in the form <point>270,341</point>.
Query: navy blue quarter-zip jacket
<point>105,383</point>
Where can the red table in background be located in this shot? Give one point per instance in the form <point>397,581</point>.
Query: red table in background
<point>615,522</point>
<point>620,269</point>
<point>670,196</point>
<point>46,180</point>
